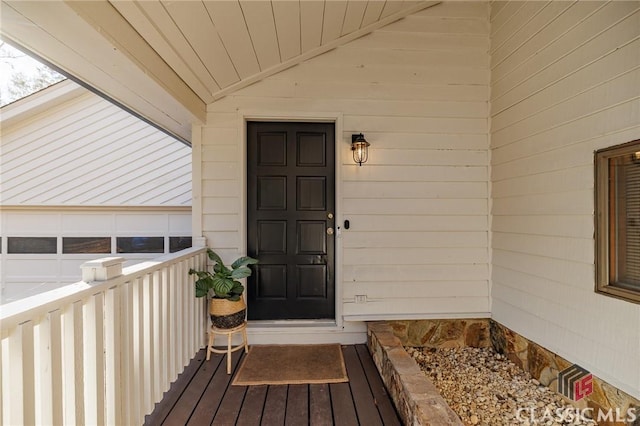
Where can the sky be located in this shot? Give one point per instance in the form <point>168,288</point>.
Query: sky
<point>14,61</point>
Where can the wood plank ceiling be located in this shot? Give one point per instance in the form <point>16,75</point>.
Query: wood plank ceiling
<point>218,46</point>
<point>166,60</point>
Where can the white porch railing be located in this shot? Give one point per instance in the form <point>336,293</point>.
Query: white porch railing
<point>101,352</point>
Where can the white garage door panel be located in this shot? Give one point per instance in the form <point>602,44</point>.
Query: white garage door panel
<point>31,267</point>
<point>95,224</point>
<point>31,224</point>
<point>180,225</point>
<point>70,268</point>
<point>22,275</point>
<point>141,224</point>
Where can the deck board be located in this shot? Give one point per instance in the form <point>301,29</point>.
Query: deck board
<point>203,395</point>
<point>275,406</point>
<point>251,411</point>
<point>297,405</point>
<point>360,392</point>
<point>212,396</point>
<point>344,412</point>
<point>175,391</point>
<point>320,405</point>
<point>380,396</point>
<point>188,400</point>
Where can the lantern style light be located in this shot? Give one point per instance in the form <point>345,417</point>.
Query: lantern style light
<point>360,148</point>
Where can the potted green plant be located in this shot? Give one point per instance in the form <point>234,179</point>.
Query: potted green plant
<point>226,306</point>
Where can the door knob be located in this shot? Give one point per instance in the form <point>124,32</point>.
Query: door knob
<point>329,231</point>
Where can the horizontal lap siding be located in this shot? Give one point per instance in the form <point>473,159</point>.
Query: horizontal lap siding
<point>86,151</point>
<point>565,82</point>
<point>418,90</point>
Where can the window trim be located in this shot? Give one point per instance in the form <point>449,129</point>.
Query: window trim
<point>602,187</point>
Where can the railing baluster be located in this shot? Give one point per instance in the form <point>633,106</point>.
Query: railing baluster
<point>57,403</point>
<point>3,375</point>
<point>166,319</point>
<point>20,409</point>
<point>187,304</point>
<point>94,359</point>
<point>148,341</point>
<point>173,315</point>
<point>157,341</point>
<point>127,359</point>
<point>72,353</point>
<point>180,325</point>
<point>137,399</point>
<point>113,347</point>
<point>201,318</point>
<point>101,352</point>
<point>48,362</point>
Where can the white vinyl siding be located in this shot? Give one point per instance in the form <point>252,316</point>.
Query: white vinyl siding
<point>87,151</point>
<point>565,82</point>
<point>418,90</point>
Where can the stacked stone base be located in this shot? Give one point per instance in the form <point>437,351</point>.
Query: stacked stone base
<point>415,398</point>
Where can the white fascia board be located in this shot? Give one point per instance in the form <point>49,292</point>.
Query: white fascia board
<point>59,35</point>
<point>39,101</point>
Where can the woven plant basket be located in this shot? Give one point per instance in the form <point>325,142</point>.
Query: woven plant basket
<point>226,313</point>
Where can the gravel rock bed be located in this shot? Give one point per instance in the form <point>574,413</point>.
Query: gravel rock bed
<point>484,388</point>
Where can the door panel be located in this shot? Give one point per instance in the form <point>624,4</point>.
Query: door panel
<point>290,207</point>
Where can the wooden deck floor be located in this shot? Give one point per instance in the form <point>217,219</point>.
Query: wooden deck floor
<point>203,395</point>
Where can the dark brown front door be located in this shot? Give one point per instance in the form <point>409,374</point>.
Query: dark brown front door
<point>290,220</point>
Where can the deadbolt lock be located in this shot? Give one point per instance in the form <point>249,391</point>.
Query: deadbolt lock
<point>330,215</point>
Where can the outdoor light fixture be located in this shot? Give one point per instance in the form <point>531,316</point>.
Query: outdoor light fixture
<point>360,148</point>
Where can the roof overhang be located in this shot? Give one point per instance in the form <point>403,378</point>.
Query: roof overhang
<point>166,61</point>
<point>57,34</point>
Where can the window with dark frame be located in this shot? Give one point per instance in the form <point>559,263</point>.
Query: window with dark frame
<point>32,245</point>
<point>179,243</point>
<point>617,198</point>
<point>77,245</point>
<point>140,244</point>
<point>94,245</point>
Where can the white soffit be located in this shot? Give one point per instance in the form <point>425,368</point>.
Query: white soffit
<point>166,60</point>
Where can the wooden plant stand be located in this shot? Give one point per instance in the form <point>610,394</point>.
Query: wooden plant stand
<point>229,332</point>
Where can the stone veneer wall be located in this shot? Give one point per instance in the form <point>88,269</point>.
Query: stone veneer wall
<point>542,364</point>
<point>445,333</point>
<point>417,400</point>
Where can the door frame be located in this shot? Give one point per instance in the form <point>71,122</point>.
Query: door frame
<point>289,116</point>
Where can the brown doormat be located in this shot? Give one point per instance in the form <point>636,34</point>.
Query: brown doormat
<point>292,364</point>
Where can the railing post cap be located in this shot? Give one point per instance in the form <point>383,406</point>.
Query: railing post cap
<point>105,261</point>
<point>102,269</point>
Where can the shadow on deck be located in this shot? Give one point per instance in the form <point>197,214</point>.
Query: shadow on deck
<point>203,395</point>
